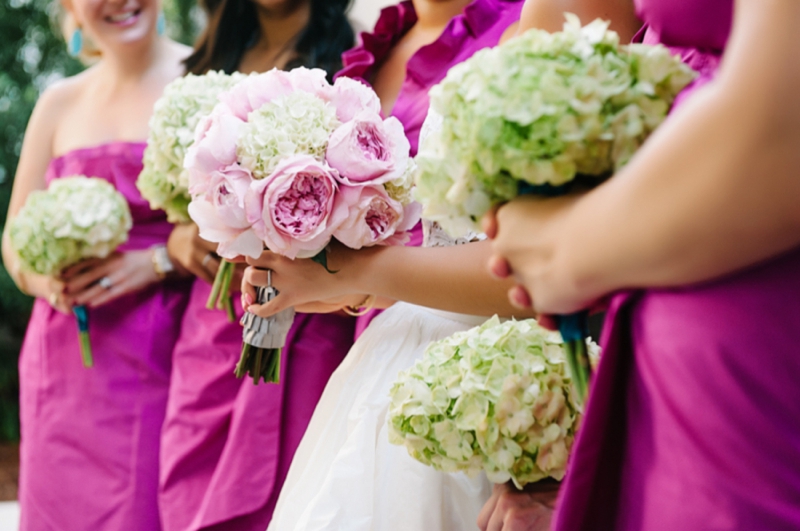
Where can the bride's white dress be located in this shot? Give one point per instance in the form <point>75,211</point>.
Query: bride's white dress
<point>345,474</point>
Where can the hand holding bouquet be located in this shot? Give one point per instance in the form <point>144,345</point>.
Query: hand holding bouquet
<point>287,162</point>
<point>535,115</point>
<point>496,398</point>
<point>74,219</point>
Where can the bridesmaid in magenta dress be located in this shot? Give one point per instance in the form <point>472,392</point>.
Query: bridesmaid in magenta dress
<point>481,25</point>
<point>90,436</point>
<point>227,444</point>
<point>694,417</point>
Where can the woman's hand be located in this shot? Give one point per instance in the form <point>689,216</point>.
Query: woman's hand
<point>301,283</point>
<point>192,253</point>
<point>509,509</point>
<point>521,241</point>
<point>126,272</point>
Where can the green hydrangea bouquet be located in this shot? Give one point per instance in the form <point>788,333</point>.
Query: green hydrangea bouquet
<point>537,112</point>
<point>495,398</point>
<point>76,218</point>
<point>533,116</point>
<point>164,182</point>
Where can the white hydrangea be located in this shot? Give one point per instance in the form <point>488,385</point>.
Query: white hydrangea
<point>541,109</point>
<point>164,181</point>
<point>496,398</point>
<point>294,124</point>
<point>75,218</point>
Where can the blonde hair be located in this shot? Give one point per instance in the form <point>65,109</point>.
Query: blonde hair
<point>65,24</point>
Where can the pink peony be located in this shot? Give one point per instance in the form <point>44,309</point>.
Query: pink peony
<point>257,90</point>
<point>292,210</point>
<point>214,147</point>
<point>220,213</point>
<point>374,218</point>
<point>368,150</point>
<point>350,97</point>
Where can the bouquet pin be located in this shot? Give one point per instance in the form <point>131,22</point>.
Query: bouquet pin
<point>263,339</point>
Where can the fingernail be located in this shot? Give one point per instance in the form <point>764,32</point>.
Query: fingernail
<point>248,299</point>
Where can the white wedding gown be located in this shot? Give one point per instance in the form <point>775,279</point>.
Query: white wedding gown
<point>346,476</point>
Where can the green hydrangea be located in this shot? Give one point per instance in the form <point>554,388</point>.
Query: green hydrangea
<point>495,398</point>
<point>75,218</point>
<point>299,123</point>
<point>164,182</point>
<point>541,108</point>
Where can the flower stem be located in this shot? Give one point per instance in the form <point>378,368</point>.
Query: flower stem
<point>215,288</point>
<point>82,316</point>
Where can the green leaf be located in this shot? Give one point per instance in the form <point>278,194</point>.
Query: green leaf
<point>322,259</point>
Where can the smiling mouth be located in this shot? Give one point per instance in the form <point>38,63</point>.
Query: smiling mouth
<point>123,17</point>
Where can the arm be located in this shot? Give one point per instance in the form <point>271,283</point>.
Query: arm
<point>447,278</point>
<point>549,15</point>
<point>715,190</point>
<point>37,150</point>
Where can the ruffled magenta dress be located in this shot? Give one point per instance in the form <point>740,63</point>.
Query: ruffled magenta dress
<point>90,437</point>
<point>227,443</point>
<point>481,25</point>
<point>694,418</point>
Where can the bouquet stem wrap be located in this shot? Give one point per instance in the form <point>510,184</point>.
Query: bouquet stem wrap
<point>574,331</point>
<point>220,297</point>
<point>263,339</point>
<point>82,315</point>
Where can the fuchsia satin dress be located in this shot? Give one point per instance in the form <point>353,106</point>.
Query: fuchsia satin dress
<point>90,437</point>
<point>694,418</point>
<point>227,443</point>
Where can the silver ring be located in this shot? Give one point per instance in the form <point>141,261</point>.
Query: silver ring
<point>106,283</point>
<point>206,259</point>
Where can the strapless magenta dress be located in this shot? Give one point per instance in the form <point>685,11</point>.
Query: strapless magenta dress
<point>90,437</point>
<point>694,418</point>
<point>227,444</point>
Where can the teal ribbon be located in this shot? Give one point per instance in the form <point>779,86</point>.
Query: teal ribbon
<point>82,315</point>
<point>574,326</point>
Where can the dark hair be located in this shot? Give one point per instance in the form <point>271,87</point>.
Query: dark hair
<point>233,24</point>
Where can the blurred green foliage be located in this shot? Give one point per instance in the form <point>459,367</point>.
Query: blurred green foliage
<point>33,55</point>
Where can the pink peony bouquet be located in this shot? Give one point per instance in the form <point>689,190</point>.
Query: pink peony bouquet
<point>287,161</point>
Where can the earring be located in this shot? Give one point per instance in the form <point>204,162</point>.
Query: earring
<point>75,43</point>
<point>161,24</point>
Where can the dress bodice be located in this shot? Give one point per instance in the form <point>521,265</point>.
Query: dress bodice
<point>481,24</point>
<point>700,24</point>
<point>120,164</point>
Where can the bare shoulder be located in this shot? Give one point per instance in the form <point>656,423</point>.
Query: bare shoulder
<point>62,94</point>
<point>177,53</point>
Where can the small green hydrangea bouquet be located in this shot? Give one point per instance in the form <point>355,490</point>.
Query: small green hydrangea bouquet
<point>496,398</point>
<point>164,182</point>
<point>536,115</point>
<point>76,218</point>
<point>537,112</point>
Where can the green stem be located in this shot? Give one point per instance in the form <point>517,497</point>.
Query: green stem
<point>578,361</point>
<point>86,349</point>
<point>215,288</point>
<point>256,370</point>
<point>225,288</point>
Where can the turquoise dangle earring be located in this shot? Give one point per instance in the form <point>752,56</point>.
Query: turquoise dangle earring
<point>75,43</point>
<point>161,23</point>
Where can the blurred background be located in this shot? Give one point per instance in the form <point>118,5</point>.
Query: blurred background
<point>33,55</point>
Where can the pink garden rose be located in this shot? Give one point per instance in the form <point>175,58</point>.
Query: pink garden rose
<point>368,150</point>
<point>350,97</point>
<point>256,90</point>
<point>374,218</point>
<point>214,148</point>
<point>292,210</point>
<point>220,213</point>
